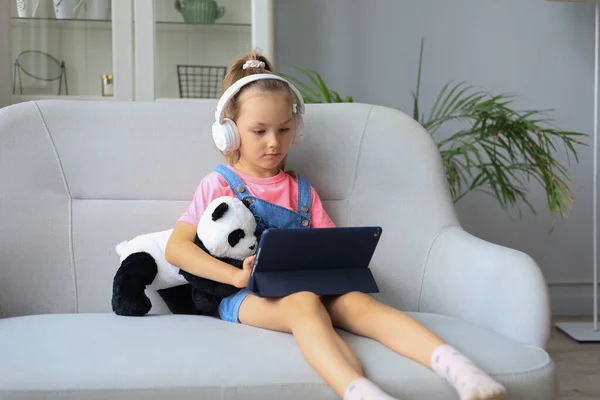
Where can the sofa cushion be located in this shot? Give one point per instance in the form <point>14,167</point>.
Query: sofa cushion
<point>104,356</point>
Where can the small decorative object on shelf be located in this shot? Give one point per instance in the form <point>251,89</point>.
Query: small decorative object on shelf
<point>107,85</point>
<point>200,81</point>
<point>27,8</point>
<point>199,11</point>
<point>39,66</point>
<point>98,9</point>
<point>67,9</point>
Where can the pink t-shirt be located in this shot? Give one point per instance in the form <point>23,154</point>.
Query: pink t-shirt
<point>281,189</point>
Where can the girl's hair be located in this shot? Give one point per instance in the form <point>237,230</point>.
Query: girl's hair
<point>237,72</point>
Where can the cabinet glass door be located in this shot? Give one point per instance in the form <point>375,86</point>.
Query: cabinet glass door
<point>65,48</point>
<point>193,42</point>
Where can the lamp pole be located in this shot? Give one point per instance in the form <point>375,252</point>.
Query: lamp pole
<point>584,331</point>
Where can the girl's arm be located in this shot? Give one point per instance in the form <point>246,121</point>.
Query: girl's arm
<point>183,253</point>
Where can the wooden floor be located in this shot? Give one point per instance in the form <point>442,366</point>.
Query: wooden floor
<point>578,366</point>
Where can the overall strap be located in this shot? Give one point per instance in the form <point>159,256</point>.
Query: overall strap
<point>304,197</point>
<point>234,181</point>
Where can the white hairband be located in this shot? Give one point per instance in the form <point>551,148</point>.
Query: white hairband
<point>238,85</point>
<point>253,64</point>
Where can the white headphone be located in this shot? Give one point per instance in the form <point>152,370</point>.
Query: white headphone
<point>224,131</point>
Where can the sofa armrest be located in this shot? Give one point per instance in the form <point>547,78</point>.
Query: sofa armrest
<point>490,285</point>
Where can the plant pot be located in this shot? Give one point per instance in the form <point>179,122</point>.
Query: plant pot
<point>199,11</point>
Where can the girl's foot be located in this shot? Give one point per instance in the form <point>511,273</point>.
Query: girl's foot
<point>364,389</point>
<point>470,382</point>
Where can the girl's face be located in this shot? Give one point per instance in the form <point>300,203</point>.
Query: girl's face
<point>265,123</point>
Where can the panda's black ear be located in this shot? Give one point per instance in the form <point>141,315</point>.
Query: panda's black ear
<point>220,211</point>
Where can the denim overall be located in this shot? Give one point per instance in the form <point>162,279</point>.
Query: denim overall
<point>267,215</point>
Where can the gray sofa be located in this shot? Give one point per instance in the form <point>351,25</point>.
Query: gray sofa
<point>76,178</point>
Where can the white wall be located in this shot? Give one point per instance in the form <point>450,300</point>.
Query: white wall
<point>541,50</point>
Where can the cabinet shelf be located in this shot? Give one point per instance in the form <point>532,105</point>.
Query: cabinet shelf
<point>176,23</point>
<point>60,23</point>
<point>217,28</point>
<point>106,24</point>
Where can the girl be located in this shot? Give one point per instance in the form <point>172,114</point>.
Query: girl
<point>263,124</point>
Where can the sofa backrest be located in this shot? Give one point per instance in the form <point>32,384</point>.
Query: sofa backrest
<point>78,177</point>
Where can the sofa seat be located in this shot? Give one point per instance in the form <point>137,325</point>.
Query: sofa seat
<point>104,356</point>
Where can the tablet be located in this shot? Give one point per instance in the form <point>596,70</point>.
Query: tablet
<point>325,261</point>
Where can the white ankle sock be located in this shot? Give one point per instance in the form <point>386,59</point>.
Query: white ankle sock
<point>364,389</point>
<point>470,382</point>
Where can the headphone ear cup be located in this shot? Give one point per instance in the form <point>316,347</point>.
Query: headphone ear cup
<point>299,126</point>
<point>226,136</point>
<point>233,134</point>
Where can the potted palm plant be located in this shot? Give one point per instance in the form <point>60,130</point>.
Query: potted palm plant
<point>497,149</point>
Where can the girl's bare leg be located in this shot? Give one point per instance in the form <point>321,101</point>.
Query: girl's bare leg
<point>304,315</point>
<point>363,315</point>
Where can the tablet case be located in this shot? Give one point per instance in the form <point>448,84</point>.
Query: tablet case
<point>325,261</point>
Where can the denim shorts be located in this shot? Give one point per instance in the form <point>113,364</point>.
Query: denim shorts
<point>229,308</point>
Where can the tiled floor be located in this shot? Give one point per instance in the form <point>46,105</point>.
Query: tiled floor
<point>578,366</point>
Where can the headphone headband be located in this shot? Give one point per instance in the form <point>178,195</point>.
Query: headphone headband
<point>238,85</point>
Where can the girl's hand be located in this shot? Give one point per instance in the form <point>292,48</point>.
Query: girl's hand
<point>243,275</point>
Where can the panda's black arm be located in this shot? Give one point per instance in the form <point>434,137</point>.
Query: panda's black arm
<point>183,253</point>
<point>231,261</point>
<point>198,281</point>
<point>199,243</point>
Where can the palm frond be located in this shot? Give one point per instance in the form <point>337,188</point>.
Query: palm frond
<point>316,91</point>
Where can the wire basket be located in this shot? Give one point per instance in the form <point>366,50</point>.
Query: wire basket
<point>200,81</point>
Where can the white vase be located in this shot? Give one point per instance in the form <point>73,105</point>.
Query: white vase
<point>67,9</point>
<point>27,8</point>
<point>98,9</point>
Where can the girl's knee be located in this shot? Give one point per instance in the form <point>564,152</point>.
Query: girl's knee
<point>303,303</point>
<point>357,301</point>
<point>356,296</point>
<point>352,305</point>
<point>301,299</point>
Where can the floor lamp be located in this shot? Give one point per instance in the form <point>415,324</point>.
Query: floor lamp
<point>589,331</point>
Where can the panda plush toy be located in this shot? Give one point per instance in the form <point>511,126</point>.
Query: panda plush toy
<point>227,230</point>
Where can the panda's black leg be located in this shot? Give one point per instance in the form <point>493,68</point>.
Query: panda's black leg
<point>179,299</point>
<point>135,273</point>
<point>223,290</point>
<point>206,303</point>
